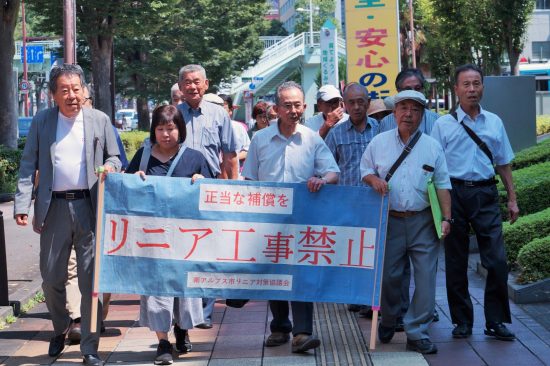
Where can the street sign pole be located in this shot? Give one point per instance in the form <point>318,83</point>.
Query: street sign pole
<point>69,30</point>
<point>24,28</point>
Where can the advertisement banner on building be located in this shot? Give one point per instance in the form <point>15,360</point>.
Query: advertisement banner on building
<point>372,45</point>
<point>241,239</point>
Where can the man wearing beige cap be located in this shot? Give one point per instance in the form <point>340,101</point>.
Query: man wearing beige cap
<point>331,110</point>
<point>406,159</point>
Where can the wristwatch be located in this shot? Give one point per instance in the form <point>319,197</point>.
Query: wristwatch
<point>449,220</point>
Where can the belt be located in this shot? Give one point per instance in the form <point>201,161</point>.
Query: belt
<point>76,194</point>
<point>404,213</point>
<point>474,183</point>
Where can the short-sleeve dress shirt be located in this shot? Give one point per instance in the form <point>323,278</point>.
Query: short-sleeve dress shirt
<point>209,131</point>
<point>274,158</point>
<point>426,124</point>
<point>465,159</point>
<point>347,146</point>
<point>409,183</point>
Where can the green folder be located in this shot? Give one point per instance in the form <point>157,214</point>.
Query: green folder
<point>436,209</point>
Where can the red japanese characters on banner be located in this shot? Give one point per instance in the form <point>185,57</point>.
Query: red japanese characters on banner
<point>229,241</point>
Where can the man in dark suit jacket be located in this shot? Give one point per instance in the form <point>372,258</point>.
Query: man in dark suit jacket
<point>65,145</point>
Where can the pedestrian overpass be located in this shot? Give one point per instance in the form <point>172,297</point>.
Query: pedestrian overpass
<point>281,57</point>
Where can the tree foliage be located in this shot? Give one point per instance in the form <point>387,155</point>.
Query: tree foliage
<point>513,17</point>
<point>151,40</point>
<point>477,31</point>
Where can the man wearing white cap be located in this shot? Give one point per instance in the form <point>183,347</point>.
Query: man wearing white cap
<point>406,158</point>
<point>331,110</point>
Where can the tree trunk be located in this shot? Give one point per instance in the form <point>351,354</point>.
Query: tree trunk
<point>101,50</point>
<point>144,123</point>
<point>9,11</point>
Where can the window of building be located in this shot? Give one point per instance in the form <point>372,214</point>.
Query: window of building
<point>543,4</point>
<point>541,50</point>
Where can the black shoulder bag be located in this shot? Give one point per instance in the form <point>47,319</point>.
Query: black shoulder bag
<point>482,145</point>
<point>403,155</point>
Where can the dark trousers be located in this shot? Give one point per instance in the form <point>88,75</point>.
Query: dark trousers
<point>302,316</point>
<point>478,207</point>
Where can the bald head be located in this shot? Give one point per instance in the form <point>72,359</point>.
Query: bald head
<point>356,99</point>
<point>356,88</point>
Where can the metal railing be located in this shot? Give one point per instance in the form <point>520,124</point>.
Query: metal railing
<point>269,41</point>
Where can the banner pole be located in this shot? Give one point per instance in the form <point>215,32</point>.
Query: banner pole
<point>98,236</point>
<point>374,328</point>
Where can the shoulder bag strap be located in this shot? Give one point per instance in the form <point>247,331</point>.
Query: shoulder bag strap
<point>479,142</point>
<point>403,155</point>
<point>175,161</point>
<point>145,155</point>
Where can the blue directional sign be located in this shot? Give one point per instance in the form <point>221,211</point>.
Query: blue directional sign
<point>35,54</point>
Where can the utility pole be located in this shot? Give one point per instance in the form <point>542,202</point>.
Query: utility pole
<point>69,31</point>
<point>25,79</point>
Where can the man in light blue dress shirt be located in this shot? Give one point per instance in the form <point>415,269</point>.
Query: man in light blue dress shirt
<point>411,230</point>
<point>410,79</point>
<point>289,152</point>
<point>475,204</point>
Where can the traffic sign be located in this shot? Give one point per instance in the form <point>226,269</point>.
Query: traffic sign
<point>35,54</point>
<point>24,85</point>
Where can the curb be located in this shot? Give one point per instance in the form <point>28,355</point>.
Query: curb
<point>21,297</point>
<point>535,292</point>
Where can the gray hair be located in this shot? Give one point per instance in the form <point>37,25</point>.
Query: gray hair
<point>65,69</point>
<point>353,86</point>
<point>287,85</point>
<point>192,68</point>
<point>174,88</point>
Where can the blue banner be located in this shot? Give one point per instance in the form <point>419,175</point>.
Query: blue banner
<point>241,240</point>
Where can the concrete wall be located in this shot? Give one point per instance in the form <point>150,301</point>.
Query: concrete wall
<point>543,102</point>
<point>513,99</point>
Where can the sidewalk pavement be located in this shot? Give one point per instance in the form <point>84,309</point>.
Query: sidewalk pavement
<point>238,335</point>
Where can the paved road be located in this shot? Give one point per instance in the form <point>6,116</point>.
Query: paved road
<point>22,249</point>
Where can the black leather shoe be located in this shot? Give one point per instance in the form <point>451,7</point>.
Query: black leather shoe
<point>205,325</point>
<point>183,344</point>
<point>462,331</point>
<point>385,334</point>
<point>92,360</point>
<point>424,346</point>
<point>57,344</point>
<point>354,308</point>
<point>499,331</point>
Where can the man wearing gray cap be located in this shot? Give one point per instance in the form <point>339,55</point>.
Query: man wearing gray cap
<point>407,159</point>
<point>331,110</point>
